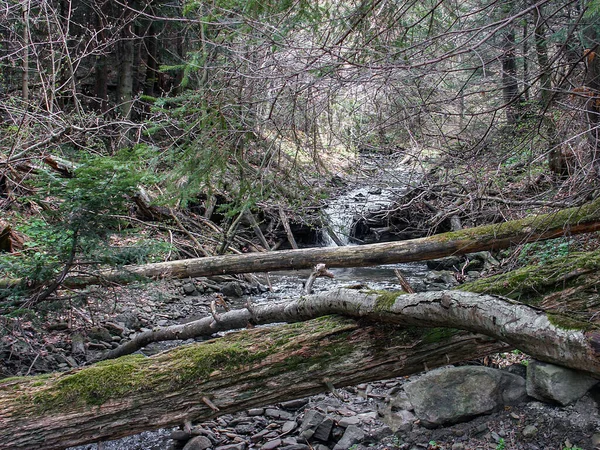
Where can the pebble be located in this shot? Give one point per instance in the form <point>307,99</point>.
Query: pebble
<point>240,446</point>
<point>256,412</point>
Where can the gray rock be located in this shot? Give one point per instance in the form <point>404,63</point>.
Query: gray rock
<point>295,447</point>
<point>198,443</point>
<point>256,412</point>
<point>347,421</point>
<point>189,289</point>
<point>452,395</point>
<point>288,426</point>
<point>240,446</point>
<point>271,444</point>
<point>99,334</point>
<point>278,414</point>
<point>352,435</point>
<point>232,289</point>
<point>400,421</point>
<point>556,384</point>
<point>294,404</point>
<point>399,400</point>
<point>312,419</point>
<point>324,430</point>
<point>129,319</point>
<point>529,431</point>
<point>449,263</point>
<point>180,435</point>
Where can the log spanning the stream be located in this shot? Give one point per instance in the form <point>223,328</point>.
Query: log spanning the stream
<point>583,219</point>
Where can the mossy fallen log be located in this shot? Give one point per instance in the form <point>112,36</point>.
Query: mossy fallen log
<point>584,219</point>
<point>241,370</point>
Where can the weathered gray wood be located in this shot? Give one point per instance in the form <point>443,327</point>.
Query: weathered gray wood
<point>530,329</point>
<point>234,373</point>
<point>584,219</point>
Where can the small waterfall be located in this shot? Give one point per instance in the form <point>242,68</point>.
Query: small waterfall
<point>342,212</point>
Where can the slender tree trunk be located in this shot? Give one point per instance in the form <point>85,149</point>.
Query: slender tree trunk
<point>125,81</point>
<point>25,8</point>
<point>584,219</point>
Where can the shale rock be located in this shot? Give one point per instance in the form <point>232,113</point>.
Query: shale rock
<point>452,395</point>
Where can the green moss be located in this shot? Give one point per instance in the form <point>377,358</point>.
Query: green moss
<point>385,300</point>
<point>568,323</point>
<point>529,284</point>
<point>434,335</point>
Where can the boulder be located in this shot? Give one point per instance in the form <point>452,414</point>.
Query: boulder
<point>198,443</point>
<point>232,289</point>
<point>452,395</point>
<point>555,384</point>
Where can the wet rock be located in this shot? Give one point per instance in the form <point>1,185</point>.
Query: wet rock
<point>198,443</point>
<point>441,277</point>
<point>551,383</point>
<point>449,263</point>
<point>352,435</point>
<point>232,289</point>
<point>452,395</point>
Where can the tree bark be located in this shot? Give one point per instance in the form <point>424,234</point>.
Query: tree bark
<point>236,372</point>
<point>584,219</point>
<point>536,332</point>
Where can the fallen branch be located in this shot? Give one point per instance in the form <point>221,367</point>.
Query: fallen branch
<point>532,330</point>
<point>584,219</point>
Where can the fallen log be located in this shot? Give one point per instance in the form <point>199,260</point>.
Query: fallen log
<point>583,219</point>
<point>239,371</point>
<point>546,336</point>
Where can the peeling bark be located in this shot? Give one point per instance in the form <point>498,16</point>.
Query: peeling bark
<point>546,336</point>
<point>234,373</point>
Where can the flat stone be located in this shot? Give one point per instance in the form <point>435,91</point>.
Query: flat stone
<point>352,435</point>
<point>295,447</point>
<point>347,421</point>
<point>198,443</point>
<point>288,426</point>
<point>312,419</point>
<point>294,404</point>
<point>240,446</point>
<point>278,414</point>
<point>271,444</point>
<point>256,412</point>
<point>323,431</point>
<point>260,435</point>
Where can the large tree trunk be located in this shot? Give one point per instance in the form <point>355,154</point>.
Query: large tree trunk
<point>248,368</point>
<point>571,221</point>
<point>237,372</point>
